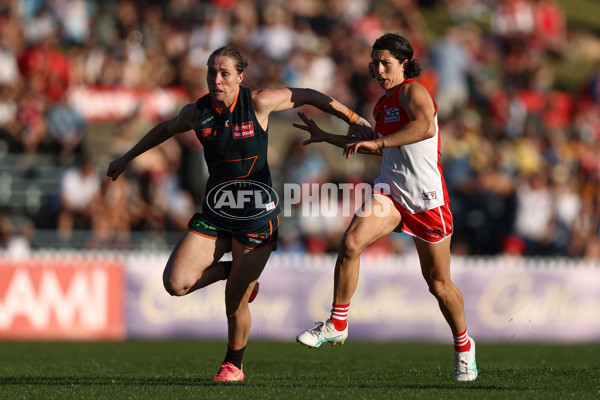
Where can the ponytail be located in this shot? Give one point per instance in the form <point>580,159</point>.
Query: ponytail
<point>412,69</point>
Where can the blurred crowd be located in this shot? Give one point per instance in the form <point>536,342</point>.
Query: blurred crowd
<point>520,150</point>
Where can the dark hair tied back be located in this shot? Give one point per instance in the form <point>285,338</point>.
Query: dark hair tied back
<point>229,51</point>
<point>412,69</point>
<point>402,50</point>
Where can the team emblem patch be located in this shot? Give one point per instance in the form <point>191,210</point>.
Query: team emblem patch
<point>429,195</point>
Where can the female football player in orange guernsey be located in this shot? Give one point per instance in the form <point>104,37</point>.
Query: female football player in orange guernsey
<point>231,122</point>
<point>415,196</point>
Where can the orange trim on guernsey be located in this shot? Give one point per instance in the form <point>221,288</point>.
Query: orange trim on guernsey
<point>235,177</point>
<point>218,110</point>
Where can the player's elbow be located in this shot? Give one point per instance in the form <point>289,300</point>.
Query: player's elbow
<point>429,130</point>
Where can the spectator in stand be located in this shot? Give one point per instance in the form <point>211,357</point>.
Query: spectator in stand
<point>549,26</point>
<point>275,38</point>
<point>567,206</point>
<point>79,186</point>
<point>454,64</point>
<point>74,17</point>
<point>508,112</point>
<point>212,32</point>
<point>9,46</point>
<point>406,16</point>
<point>480,185</point>
<point>66,129</point>
<point>114,211</point>
<point>47,65</point>
<point>30,116</point>
<point>512,19</point>
<point>311,65</point>
<point>487,79</point>
<point>535,213</point>
<point>15,236</point>
<point>585,230</point>
<point>38,22</point>
<point>9,128</point>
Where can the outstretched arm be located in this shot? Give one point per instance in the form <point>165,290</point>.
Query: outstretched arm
<point>183,122</point>
<point>318,135</point>
<point>266,101</point>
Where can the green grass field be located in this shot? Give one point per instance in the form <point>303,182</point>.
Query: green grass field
<point>183,370</point>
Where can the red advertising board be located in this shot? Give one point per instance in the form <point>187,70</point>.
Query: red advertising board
<point>57,299</point>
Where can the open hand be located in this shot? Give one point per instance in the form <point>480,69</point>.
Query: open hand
<point>368,146</point>
<point>310,126</point>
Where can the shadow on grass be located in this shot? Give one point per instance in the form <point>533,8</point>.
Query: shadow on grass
<point>249,383</point>
<point>102,380</point>
<point>392,385</point>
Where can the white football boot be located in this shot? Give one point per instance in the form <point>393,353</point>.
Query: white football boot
<point>465,365</point>
<point>324,332</point>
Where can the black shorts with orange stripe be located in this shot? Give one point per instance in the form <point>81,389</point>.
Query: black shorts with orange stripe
<point>257,238</point>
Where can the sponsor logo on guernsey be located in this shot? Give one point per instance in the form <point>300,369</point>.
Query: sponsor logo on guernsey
<point>392,115</point>
<point>243,130</point>
<point>429,195</point>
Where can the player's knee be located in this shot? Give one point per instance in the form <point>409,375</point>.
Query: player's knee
<point>351,245</point>
<point>232,311</point>
<point>175,287</point>
<point>438,288</point>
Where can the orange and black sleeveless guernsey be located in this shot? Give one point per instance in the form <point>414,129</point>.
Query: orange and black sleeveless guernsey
<point>239,195</point>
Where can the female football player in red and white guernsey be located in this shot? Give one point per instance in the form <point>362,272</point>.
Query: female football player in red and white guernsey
<point>231,122</point>
<point>406,136</point>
